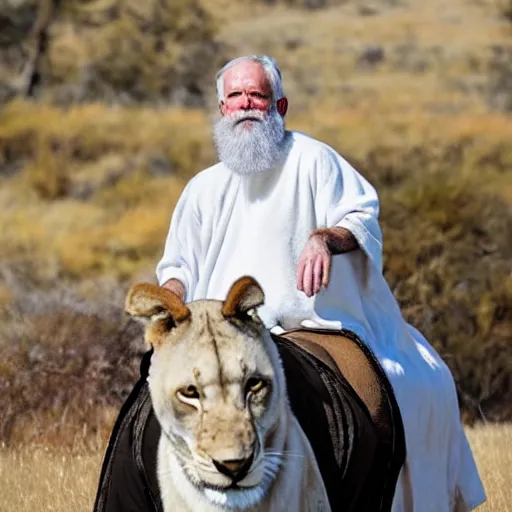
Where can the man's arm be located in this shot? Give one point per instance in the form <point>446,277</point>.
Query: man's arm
<point>337,239</point>
<point>178,269</point>
<point>175,286</point>
<point>314,267</point>
<point>348,206</point>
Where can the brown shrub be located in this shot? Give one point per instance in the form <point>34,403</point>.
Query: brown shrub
<point>67,365</point>
<point>500,76</point>
<point>448,260</point>
<point>505,8</point>
<point>119,51</point>
<point>47,174</point>
<point>303,4</point>
<point>133,51</point>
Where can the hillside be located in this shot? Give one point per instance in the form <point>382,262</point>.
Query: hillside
<point>106,114</point>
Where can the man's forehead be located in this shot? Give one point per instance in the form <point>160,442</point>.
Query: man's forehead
<point>244,74</point>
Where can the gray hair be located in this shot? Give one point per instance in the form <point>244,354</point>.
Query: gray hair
<point>269,67</point>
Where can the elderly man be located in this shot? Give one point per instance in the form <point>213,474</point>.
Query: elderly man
<point>278,207</point>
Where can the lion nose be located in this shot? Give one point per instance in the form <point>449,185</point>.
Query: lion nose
<point>236,469</point>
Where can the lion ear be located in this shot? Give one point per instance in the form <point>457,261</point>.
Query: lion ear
<point>149,303</point>
<point>245,294</point>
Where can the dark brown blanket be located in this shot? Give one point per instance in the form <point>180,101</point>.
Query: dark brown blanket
<point>359,467</point>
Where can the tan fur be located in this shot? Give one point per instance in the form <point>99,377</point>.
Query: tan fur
<point>147,300</point>
<point>219,393</point>
<point>244,295</point>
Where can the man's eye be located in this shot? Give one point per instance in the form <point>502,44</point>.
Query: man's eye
<point>233,94</point>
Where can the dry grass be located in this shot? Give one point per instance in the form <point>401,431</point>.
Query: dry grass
<point>42,480</point>
<point>39,480</point>
<point>492,446</point>
<point>434,54</point>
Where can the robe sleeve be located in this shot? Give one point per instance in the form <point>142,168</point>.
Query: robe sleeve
<point>345,199</point>
<point>182,246</point>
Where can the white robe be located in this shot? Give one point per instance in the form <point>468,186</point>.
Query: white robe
<point>226,226</point>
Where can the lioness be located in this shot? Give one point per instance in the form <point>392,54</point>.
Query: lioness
<point>229,439</point>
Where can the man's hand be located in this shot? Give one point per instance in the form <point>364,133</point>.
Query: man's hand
<point>176,287</point>
<point>314,267</point>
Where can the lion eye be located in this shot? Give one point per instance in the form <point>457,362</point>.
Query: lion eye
<point>189,392</point>
<point>255,384</point>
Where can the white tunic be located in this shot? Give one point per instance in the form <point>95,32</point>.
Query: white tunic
<point>226,226</point>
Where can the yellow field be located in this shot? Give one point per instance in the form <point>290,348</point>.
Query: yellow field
<point>37,480</point>
<point>492,446</point>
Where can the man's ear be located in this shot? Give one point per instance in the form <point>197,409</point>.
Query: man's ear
<point>157,308</point>
<point>282,106</point>
<point>221,108</point>
<point>244,295</point>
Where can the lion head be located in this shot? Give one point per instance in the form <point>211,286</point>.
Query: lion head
<point>218,391</point>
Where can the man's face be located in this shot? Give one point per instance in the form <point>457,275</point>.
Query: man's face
<point>250,133</point>
<point>246,87</point>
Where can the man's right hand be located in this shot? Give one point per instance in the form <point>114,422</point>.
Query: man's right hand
<point>175,287</point>
<point>314,266</point>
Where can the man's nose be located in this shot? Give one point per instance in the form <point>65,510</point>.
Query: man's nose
<point>245,102</point>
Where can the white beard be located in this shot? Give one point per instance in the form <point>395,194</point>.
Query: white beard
<point>250,141</point>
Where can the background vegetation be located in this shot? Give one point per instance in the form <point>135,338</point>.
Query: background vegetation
<point>106,113</point>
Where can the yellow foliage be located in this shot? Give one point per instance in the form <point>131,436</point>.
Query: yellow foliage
<point>89,131</point>
<point>57,142</point>
<point>20,233</point>
<point>48,174</point>
<point>68,55</point>
<point>105,153</point>
<point>124,238</point>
